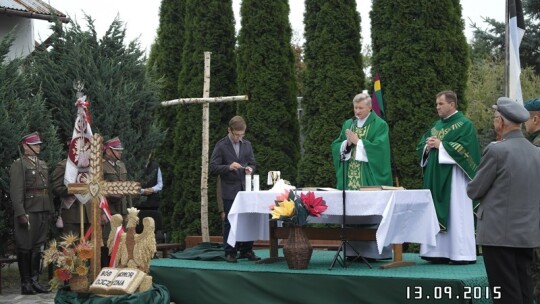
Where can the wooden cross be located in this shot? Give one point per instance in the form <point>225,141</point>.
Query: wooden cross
<point>206,100</point>
<point>97,187</point>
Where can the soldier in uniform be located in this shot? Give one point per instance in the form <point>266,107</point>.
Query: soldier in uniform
<point>532,126</point>
<point>114,170</point>
<point>32,209</point>
<point>69,206</point>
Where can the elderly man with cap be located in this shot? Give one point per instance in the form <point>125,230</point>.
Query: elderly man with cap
<point>449,154</point>
<point>508,218</point>
<point>32,207</point>
<point>114,170</point>
<point>532,125</point>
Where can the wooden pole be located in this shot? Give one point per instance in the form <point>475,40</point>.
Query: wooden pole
<point>204,100</point>
<point>81,217</point>
<point>204,156</point>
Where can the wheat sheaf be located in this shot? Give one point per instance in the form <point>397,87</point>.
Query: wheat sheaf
<point>122,188</point>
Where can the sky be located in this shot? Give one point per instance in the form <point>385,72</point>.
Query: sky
<point>142,17</point>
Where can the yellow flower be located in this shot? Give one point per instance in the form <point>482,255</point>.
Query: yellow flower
<point>51,254</point>
<point>69,239</point>
<point>84,250</point>
<point>82,270</point>
<point>71,256</point>
<point>285,208</point>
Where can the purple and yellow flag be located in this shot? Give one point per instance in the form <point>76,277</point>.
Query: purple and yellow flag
<point>376,98</point>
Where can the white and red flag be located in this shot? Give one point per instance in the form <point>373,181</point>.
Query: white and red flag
<point>78,162</point>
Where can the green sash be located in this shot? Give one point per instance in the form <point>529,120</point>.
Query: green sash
<point>377,171</point>
<point>458,136</point>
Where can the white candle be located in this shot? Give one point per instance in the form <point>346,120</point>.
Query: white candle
<point>256,182</point>
<point>248,182</point>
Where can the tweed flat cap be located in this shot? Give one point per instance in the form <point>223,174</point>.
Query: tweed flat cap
<point>511,110</point>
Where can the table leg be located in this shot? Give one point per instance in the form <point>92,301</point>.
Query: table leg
<point>398,258</point>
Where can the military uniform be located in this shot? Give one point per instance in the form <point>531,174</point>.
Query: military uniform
<point>533,105</point>
<point>29,191</point>
<point>70,214</point>
<point>113,172</point>
<point>535,138</point>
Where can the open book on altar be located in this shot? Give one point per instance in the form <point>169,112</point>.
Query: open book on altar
<point>117,281</point>
<point>377,188</point>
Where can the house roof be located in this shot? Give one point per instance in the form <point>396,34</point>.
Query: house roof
<point>35,9</point>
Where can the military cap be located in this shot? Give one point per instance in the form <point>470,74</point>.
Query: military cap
<point>532,104</point>
<point>31,139</point>
<point>113,143</point>
<point>511,110</point>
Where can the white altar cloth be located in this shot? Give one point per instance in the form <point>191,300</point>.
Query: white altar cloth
<point>407,215</point>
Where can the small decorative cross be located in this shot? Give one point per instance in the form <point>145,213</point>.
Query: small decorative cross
<point>97,187</point>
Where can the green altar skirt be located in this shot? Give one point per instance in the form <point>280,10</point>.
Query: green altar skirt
<point>157,294</point>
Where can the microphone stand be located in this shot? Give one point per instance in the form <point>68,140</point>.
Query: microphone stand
<point>342,260</point>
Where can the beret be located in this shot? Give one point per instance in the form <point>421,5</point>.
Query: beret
<point>511,110</point>
<point>532,104</point>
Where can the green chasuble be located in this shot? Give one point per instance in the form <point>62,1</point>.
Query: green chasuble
<point>458,136</point>
<point>377,171</point>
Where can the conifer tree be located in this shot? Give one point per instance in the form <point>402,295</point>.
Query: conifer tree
<point>122,99</point>
<point>21,112</point>
<point>334,76</point>
<point>164,66</point>
<point>266,73</point>
<point>419,49</point>
<point>209,26</point>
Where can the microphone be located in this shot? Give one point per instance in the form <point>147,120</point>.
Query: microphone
<point>354,119</point>
<point>349,148</point>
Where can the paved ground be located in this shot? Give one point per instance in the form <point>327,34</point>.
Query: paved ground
<point>11,290</point>
<point>13,295</point>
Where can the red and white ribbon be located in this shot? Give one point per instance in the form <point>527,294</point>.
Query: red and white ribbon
<point>116,242</point>
<point>104,205</point>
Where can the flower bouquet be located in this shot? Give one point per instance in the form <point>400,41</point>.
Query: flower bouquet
<point>71,257</point>
<point>295,209</point>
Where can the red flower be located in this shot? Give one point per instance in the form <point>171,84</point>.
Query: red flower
<point>314,205</point>
<point>62,274</point>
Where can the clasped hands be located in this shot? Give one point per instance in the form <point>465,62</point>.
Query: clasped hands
<point>432,143</point>
<point>352,138</point>
<point>235,166</point>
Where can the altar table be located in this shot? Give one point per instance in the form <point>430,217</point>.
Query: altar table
<point>405,216</point>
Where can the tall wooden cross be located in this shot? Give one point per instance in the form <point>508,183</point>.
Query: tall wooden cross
<point>97,187</point>
<point>205,101</point>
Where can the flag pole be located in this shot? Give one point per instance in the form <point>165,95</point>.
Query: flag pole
<point>506,50</point>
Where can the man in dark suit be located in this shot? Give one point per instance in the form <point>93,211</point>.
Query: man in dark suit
<point>508,226</point>
<point>232,159</point>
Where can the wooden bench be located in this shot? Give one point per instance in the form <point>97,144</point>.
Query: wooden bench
<point>165,248</point>
<point>3,262</point>
<point>194,240</point>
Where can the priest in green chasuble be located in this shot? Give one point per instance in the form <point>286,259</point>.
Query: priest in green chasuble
<point>361,156</point>
<point>449,154</point>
